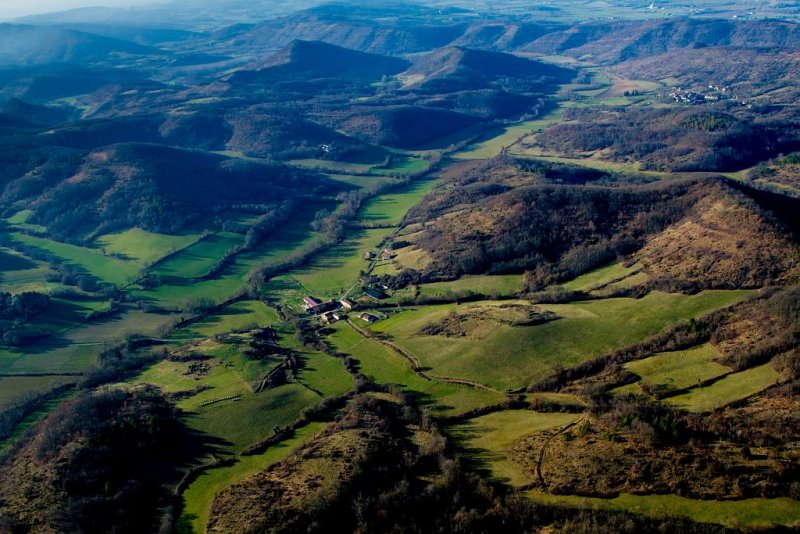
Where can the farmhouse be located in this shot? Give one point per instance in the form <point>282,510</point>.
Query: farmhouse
<point>330,317</point>
<point>369,255</point>
<point>387,255</point>
<point>314,305</point>
<point>368,279</point>
<point>347,304</point>
<point>367,317</point>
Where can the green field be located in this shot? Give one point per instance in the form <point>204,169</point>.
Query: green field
<point>144,247</point>
<point>506,136</point>
<point>324,374</point>
<point>236,316</point>
<point>727,390</point>
<point>403,164</point>
<point>600,277</point>
<point>20,273</point>
<point>75,343</point>
<point>680,369</point>
<point>489,285</point>
<point>489,439</point>
<point>238,423</point>
<point>200,494</point>
<point>291,236</point>
<point>389,208</point>
<point>388,367</point>
<point>745,514</point>
<point>106,268</point>
<point>513,357</point>
<point>336,270</point>
<point>12,388</point>
<point>196,260</point>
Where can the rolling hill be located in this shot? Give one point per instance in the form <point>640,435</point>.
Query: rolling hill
<point>309,60</point>
<point>161,189</point>
<point>458,68</point>
<point>25,45</point>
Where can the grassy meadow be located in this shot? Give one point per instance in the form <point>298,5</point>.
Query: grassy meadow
<point>489,438</point>
<point>679,369</point>
<point>746,514</point>
<point>513,357</point>
<point>729,389</point>
<point>388,367</point>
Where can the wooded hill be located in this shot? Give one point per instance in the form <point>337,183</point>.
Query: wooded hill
<point>688,233</point>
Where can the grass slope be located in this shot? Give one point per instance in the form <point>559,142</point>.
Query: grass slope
<point>727,390</point>
<point>679,369</point>
<point>746,514</point>
<point>491,437</point>
<point>513,357</point>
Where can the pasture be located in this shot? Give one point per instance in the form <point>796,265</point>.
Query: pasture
<point>729,389</point>
<point>502,285</point>
<point>197,259</point>
<point>389,208</point>
<point>388,367</point>
<point>513,357</point>
<point>21,273</point>
<point>199,495</point>
<point>238,315</point>
<point>669,371</point>
<point>600,277</point>
<point>13,388</point>
<point>508,135</point>
<point>234,424</point>
<point>337,269</point>
<point>107,269</point>
<point>143,247</point>
<point>747,514</point>
<point>289,237</point>
<point>488,439</point>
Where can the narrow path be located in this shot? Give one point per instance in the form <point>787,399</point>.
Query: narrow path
<point>540,459</point>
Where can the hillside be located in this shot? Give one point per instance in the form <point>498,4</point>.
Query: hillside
<point>403,126</point>
<point>24,45</point>
<point>381,29</point>
<point>765,75</point>
<point>458,68</point>
<point>161,189</point>
<point>621,41</point>
<point>678,139</point>
<point>686,235</point>
<point>309,60</point>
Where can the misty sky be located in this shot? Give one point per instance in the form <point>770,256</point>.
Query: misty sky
<point>17,8</point>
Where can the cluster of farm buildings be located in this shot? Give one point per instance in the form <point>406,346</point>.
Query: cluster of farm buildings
<point>333,310</point>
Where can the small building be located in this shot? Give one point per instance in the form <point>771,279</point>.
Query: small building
<point>330,317</point>
<point>347,304</point>
<point>369,255</point>
<point>374,293</point>
<point>388,255</point>
<point>368,279</point>
<point>368,317</point>
<point>313,305</point>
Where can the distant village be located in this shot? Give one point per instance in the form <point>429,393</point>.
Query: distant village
<point>711,93</point>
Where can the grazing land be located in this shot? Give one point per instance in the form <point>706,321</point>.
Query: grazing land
<point>521,355</point>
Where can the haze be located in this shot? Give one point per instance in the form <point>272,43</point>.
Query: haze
<point>13,8</point>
